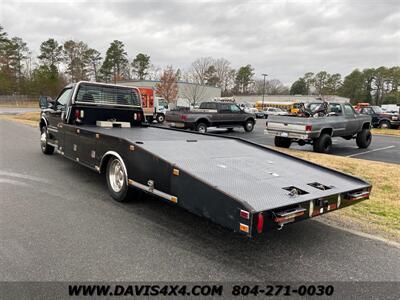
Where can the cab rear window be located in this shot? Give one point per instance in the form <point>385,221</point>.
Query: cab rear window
<point>107,95</point>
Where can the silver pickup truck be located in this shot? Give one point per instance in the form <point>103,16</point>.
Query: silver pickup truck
<point>341,121</point>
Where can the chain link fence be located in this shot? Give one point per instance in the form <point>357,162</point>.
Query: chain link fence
<point>19,100</point>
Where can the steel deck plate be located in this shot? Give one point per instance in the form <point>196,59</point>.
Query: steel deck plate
<point>252,174</point>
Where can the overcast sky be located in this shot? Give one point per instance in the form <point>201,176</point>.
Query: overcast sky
<point>282,38</point>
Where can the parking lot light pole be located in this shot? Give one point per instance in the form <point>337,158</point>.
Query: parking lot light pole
<point>265,75</point>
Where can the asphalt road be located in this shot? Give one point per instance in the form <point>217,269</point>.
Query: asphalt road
<point>17,110</point>
<point>57,222</point>
<point>382,148</point>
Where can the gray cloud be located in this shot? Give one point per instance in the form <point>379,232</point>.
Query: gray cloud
<point>282,38</point>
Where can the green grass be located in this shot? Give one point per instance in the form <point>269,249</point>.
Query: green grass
<point>395,132</point>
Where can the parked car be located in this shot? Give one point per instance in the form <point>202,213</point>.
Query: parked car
<point>249,110</point>
<point>275,111</point>
<point>360,105</point>
<point>260,114</point>
<point>212,114</point>
<point>380,118</point>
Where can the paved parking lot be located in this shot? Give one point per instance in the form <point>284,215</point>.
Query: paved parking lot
<point>382,148</point>
<point>57,222</point>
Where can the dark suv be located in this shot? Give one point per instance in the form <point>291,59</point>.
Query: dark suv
<point>380,118</point>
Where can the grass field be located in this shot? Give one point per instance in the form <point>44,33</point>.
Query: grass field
<point>380,215</point>
<point>395,132</point>
<point>29,118</point>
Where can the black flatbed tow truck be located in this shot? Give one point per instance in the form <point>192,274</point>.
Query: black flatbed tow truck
<point>238,184</point>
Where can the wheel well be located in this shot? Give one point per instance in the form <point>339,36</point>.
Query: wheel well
<point>250,119</point>
<point>205,121</point>
<point>327,130</point>
<point>384,120</point>
<point>366,125</point>
<point>104,162</point>
<point>42,123</point>
<point>106,158</point>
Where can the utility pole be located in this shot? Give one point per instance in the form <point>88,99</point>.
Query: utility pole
<point>265,75</point>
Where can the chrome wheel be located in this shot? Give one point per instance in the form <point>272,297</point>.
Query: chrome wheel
<point>116,176</point>
<point>43,139</point>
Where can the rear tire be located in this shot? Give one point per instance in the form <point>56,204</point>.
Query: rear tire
<point>323,144</point>
<point>384,124</point>
<point>364,138</point>
<point>201,127</point>
<point>46,148</point>
<point>249,126</point>
<point>282,142</point>
<point>117,181</point>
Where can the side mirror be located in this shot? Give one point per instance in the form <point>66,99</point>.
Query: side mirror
<point>45,102</point>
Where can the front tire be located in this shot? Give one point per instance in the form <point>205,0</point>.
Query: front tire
<point>117,180</point>
<point>46,148</point>
<point>323,144</point>
<point>160,118</point>
<point>364,138</point>
<point>249,126</point>
<point>282,142</point>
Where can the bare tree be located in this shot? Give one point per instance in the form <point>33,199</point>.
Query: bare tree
<point>193,92</point>
<point>199,69</point>
<point>223,69</point>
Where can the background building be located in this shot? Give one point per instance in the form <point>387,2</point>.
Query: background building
<point>288,98</point>
<point>194,92</point>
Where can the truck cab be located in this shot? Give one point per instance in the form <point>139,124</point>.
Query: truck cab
<point>86,103</point>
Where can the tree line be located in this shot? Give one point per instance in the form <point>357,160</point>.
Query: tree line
<point>60,63</point>
<point>376,86</point>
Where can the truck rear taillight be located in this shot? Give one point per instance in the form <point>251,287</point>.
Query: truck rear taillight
<point>358,195</point>
<point>260,222</point>
<point>308,127</point>
<point>137,117</point>
<point>79,113</point>
<point>183,117</point>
